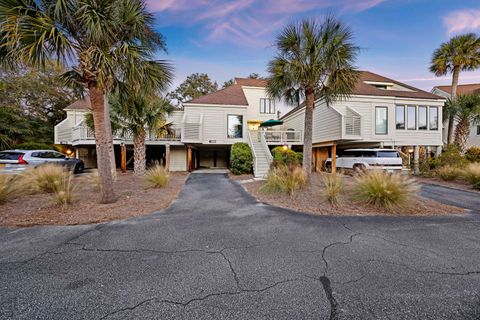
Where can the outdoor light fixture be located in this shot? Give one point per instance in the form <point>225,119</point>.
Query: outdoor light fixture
<point>410,150</point>
<point>69,152</point>
<point>285,147</point>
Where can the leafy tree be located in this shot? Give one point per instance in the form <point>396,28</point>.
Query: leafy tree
<point>196,85</point>
<point>460,53</point>
<point>102,41</point>
<point>317,61</point>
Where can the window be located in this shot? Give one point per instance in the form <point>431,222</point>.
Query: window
<point>433,118</point>
<point>478,130</point>
<point>422,118</point>
<point>400,117</point>
<point>381,120</point>
<point>388,154</point>
<point>412,118</point>
<point>235,126</point>
<point>267,105</point>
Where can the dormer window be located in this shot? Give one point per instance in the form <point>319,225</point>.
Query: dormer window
<point>380,86</point>
<point>267,105</point>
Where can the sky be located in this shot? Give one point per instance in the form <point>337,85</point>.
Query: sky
<point>227,39</point>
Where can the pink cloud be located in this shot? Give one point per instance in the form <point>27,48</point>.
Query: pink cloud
<point>462,20</point>
<point>248,22</point>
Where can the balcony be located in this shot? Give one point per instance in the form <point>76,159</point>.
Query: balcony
<point>81,134</point>
<point>282,137</point>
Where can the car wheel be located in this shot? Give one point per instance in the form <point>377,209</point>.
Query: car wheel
<point>79,167</point>
<point>328,167</point>
<point>359,168</point>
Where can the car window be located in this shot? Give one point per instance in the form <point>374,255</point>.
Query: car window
<point>388,154</point>
<point>10,155</point>
<point>58,155</point>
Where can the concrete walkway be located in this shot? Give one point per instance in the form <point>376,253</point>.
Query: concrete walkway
<point>218,254</point>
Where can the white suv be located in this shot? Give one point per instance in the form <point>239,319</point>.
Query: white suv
<point>364,159</point>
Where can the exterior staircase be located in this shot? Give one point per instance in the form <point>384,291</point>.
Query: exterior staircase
<point>262,158</point>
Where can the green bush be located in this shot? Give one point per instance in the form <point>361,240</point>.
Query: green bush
<point>384,190</point>
<point>284,178</point>
<point>286,156</point>
<point>451,156</point>
<point>473,154</point>
<point>241,158</point>
<point>34,146</point>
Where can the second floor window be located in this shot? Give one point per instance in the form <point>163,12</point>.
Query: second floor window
<point>381,120</point>
<point>422,118</point>
<point>433,118</point>
<point>400,117</point>
<point>412,118</point>
<point>235,126</point>
<point>267,105</point>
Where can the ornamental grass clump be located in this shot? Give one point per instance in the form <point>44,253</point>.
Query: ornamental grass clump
<point>448,173</point>
<point>65,191</point>
<point>7,188</point>
<point>285,179</point>
<point>334,186</point>
<point>383,190</point>
<point>157,177</point>
<point>471,173</point>
<point>44,179</point>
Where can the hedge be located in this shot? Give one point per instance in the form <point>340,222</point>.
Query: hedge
<point>286,156</point>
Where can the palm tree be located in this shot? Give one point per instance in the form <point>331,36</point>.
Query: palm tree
<point>102,41</point>
<point>467,112</point>
<point>136,114</point>
<point>314,61</point>
<point>460,53</point>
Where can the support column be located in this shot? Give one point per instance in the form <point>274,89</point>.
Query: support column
<point>416,160</point>
<point>438,152</point>
<point>167,157</point>
<point>334,158</point>
<point>189,159</point>
<point>123,161</point>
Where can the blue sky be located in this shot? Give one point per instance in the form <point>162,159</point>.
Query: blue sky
<point>234,38</point>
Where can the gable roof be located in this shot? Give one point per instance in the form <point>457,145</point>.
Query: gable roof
<point>231,95</point>
<point>82,104</point>
<point>461,89</point>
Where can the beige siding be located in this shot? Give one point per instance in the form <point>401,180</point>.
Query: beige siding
<point>63,130</point>
<point>253,96</point>
<point>327,124</point>
<point>178,158</point>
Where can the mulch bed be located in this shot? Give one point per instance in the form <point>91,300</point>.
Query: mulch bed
<point>134,200</point>
<point>312,200</point>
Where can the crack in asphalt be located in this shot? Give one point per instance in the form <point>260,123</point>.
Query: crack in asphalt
<point>329,293</point>
<point>197,299</point>
<point>466,273</point>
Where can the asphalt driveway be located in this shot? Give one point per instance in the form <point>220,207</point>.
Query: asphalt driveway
<point>218,254</point>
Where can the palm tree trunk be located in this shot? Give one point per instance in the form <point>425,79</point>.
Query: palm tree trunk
<point>451,117</point>
<point>307,134</point>
<point>102,145</point>
<point>139,154</point>
<point>462,131</point>
<point>108,131</point>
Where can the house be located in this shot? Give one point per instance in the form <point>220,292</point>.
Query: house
<point>205,129</point>
<point>381,112</point>
<point>464,89</point>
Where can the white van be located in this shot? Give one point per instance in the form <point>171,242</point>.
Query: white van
<point>365,159</point>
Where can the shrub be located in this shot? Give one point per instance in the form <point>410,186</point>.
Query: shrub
<point>44,178</point>
<point>451,156</point>
<point>7,188</point>
<point>333,187</point>
<point>34,146</point>
<point>284,179</point>
<point>286,156</point>
<point>471,173</point>
<point>65,191</point>
<point>241,158</point>
<point>157,177</point>
<point>382,189</point>
<point>473,154</point>
<point>448,173</point>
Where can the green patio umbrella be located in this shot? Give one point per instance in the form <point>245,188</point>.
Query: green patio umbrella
<point>271,123</point>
